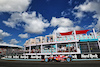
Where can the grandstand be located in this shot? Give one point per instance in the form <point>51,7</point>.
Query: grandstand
<point>10,49</point>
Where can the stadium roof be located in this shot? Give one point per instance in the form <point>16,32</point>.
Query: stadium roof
<point>10,45</point>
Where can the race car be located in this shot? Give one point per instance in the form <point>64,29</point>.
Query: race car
<point>58,58</point>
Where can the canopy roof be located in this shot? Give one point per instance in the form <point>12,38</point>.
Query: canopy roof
<point>77,32</point>
<point>82,31</point>
<point>11,45</point>
<point>66,33</point>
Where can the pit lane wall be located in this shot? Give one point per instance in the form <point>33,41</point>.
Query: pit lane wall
<point>74,56</point>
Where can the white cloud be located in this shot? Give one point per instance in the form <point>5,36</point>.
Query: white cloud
<point>63,13</point>
<point>98,24</point>
<point>2,42</point>
<point>70,2</point>
<point>14,41</point>
<point>14,5</point>
<point>61,22</point>
<point>76,28</point>
<point>67,29</point>
<point>32,23</point>
<point>64,25</point>
<point>4,34</point>
<point>14,20</point>
<point>91,25</point>
<point>91,6</point>
<point>78,14</point>
<point>23,35</point>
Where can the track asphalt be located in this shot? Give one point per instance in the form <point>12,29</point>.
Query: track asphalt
<point>5,63</point>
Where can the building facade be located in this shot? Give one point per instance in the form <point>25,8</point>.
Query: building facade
<point>74,43</point>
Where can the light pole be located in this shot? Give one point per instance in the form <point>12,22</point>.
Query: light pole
<point>36,48</point>
<point>51,53</point>
<point>51,50</point>
<point>89,49</point>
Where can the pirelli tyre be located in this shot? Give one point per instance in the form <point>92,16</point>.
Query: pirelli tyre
<point>53,60</point>
<point>68,59</point>
<point>49,60</point>
<point>46,59</point>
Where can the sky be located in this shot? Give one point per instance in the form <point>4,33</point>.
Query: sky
<point>21,20</point>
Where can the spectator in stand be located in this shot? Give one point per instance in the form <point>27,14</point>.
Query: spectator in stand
<point>62,49</point>
<point>33,50</point>
<point>39,50</point>
<point>75,49</point>
<point>58,49</point>
<point>36,50</point>
<point>67,49</point>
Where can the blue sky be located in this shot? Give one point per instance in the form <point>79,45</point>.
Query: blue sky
<point>21,20</point>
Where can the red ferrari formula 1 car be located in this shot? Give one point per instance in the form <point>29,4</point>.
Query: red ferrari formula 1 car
<point>58,58</point>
